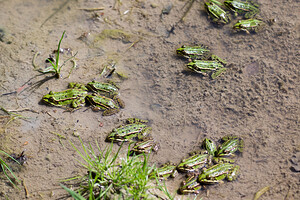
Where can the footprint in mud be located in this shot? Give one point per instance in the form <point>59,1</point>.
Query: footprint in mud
<point>251,69</point>
<point>295,160</point>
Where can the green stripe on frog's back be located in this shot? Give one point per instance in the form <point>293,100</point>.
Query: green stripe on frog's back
<point>127,132</point>
<point>64,98</point>
<point>165,171</point>
<point>204,66</point>
<point>194,162</point>
<point>66,94</point>
<point>194,52</point>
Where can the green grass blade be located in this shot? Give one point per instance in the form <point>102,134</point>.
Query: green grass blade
<point>5,167</point>
<point>57,54</point>
<point>73,193</point>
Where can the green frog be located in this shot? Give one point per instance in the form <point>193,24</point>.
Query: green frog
<point>209,146</point>
<point>165,171</point>
<point>129,131</point>
<point>217,14</point>
<point>190,185</point>
<point>146,145</point>
<point>108,105</point>
<point>194,52</point>
<point>205,67</point>
<point>230,145</point>
<point>249,25</point>
<point>75,98</point>
<point>217,160</point>
<point>194,162</point>
<point>134,120</point>
<point>77,86</point>
<point>109,89</point>
<point>217,173</point>
<point>249,9</point>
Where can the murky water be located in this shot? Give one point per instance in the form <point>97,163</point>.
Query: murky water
<point>257,99</point>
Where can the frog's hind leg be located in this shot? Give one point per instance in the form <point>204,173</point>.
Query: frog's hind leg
<point>110,112</point>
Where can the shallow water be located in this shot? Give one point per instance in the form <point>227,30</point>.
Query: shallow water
<point>257,99</point>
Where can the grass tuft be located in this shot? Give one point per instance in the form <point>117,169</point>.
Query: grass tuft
<point>5,168</point>
<point>111,177</point>
<point>55,68</point>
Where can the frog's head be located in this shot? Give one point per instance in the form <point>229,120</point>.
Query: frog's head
<point>181,50</point>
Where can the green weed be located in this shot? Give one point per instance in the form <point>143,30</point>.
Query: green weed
<point>112,177</point>
<point>5,168</point>
<point>55,68</point>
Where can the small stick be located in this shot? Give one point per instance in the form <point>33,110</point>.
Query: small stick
<point>33,60</point>
<point>49,114</point>
<point>132,44</point>
<point>60,8</point>
<point>186,12</point>
<point>92,9</point>
<point>74,66</point>
<point>26,190</point>
<point>261,192</point>
<point>2,117</point>
<point>23,109</point>
<point>287,194</point>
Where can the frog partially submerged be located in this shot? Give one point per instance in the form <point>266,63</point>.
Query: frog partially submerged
<point>249,25</point>
<point>74,98</point>
<point>108,89</point>
<point>209,146</point>
<point>217,173</point>
<point>206,67</point>
<point>230,145</point>
<point>79,86</point>
<point>129,131</point>
<point>200,52</point>
<point>165,171</point>
<point>190,185</point>
<point>146,145</point>
<point>194,52</point>
<point>216,13</point>
<point>218,160</point>
<point>195,162</point>
<point>107,105</point>
<point>246,8</point>
<point>71,98</point>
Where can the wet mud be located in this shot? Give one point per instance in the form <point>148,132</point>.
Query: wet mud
<point>257,98</point>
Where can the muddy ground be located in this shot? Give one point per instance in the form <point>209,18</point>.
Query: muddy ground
<point>257,98</point>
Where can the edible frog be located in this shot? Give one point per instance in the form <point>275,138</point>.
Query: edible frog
<point>249,9</point>
<point>217,173</point>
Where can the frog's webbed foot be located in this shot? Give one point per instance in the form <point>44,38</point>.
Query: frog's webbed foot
<point>110,112</point>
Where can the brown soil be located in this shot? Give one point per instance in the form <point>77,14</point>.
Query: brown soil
<point>257,99</point>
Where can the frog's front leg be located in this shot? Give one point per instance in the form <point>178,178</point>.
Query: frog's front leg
<point>78,102</point>
<point>146,131</point>
<point>232,175</point>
